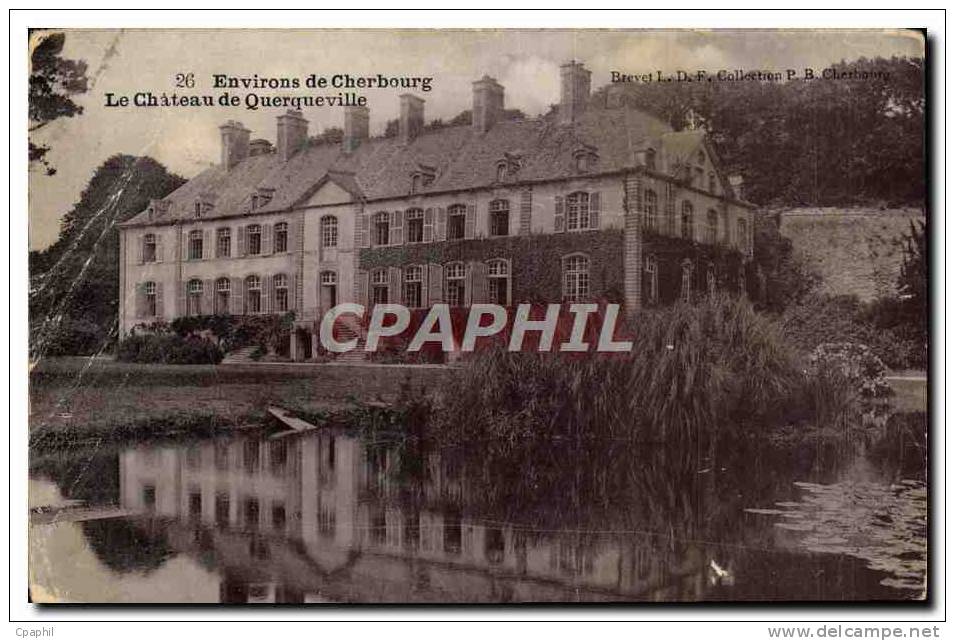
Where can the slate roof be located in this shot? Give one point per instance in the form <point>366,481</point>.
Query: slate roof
<point>463,159</point>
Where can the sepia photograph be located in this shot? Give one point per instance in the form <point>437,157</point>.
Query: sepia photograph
<point>478,316</point>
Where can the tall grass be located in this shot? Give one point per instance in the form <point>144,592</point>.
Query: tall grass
<point>694,372</point>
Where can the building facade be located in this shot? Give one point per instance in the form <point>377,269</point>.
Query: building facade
<point>593,201</point>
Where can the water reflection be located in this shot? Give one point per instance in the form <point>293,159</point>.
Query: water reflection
<point>327,517</point>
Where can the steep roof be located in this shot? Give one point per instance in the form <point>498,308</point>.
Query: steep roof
<point>462,157</point>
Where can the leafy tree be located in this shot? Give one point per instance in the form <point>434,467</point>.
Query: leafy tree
<point>913,279</point>
<point>53,80</point>
<point>74,284</point>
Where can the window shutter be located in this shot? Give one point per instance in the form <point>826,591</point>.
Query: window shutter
<point>294,297</point>
<point>185,245</point>
<point>435,284</point>
<point>140,242</point>
<point>479,283</point>
<point>266,240</point>
<point>428,235</point>
<point>469,221</point>
<point>183,308</point>
<point>140,300</point>
<point>670,210</point>
<point>441,225</point>
<point>237,296</point>
<point>558,213</point>
<point>361,288</point>
<point>160,313</point>
<point>159,248</point>
<point>397,224</point>
<point>208,251</point>
<point>208,297</point>
<point>394,285</point>
<point>595,210</point>
<point>240,241</point>
<point>364,239</point>
<point>267,294</point>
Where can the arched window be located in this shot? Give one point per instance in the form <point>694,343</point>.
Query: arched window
<point>329,231</point>
<point>198,209</point>
<point>415,183</point>
<point>151,305</point>
<point>412,286</point>
<point>223,242</point>
<point>149,248</point>
<point>381,228</point>
<point>686,220</point>
<point>653,280</point>
<point>711,279</point>
<point>280,292</point>
<point>712,226</point>
<point>280,238</point>
<point>195,245</point>
<point>379,287</point>
<point>253,240</point>
<point>501,172</point>
<point>500,218</point>
<point>576,277</point>
<point>686,280</point>
<point>578,211</point>
<point>223,295</point>
<point>456,217</point>
<point>742,238</point>
<point>499,281</point>
<point>414,226</point>
<point>454,284</point>
<point>253,295</point>
<point>194,297</point>
<point>651,212</point>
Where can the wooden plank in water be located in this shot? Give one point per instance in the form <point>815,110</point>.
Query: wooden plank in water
<point>75,515</point>
<point>295,424</point>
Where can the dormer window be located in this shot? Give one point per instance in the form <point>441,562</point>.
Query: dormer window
<point>502,172</point>
<point>651,159</point>
<point>198,209</point>
<point>415,183</point>
<point>585,158</point>
<point>701,157</point>
<point>422,177</point>
<point>262,197</point>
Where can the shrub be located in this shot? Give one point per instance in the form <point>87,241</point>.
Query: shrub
<point>168,348</point>
<point>72,337</point>
<point>692,370</point>
<point>857,364</point>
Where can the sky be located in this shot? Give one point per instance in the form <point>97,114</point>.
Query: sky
<point>525,62</point>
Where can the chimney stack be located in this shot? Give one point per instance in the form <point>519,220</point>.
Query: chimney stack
<point>574,90</point>
<point>488,103</point>
<point>292,134</point>
<point>235,144</point>
<point>356,128</point>
<point>411,119</point>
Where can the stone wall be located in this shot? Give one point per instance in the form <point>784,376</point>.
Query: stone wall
<point>855,250</point>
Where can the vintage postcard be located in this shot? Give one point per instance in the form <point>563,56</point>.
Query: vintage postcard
<point>478,316</point>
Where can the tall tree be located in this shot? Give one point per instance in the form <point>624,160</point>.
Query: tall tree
<point>74,284</point>
<point>53,82</point>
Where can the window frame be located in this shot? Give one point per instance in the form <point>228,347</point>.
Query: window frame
<point>194,292</point>
<point>280,231</point>
<point>381,221</point>
<point>456,211</point>
<point>459,281</point>
<point>195,244</point>
<point>253,283</point>
<point>253,230</point>
<point>378,280</point>
<point>218,291</point>
<point>149,248</point>
<point>686,220</point>
<point>499,209</point>
<point>578,203</point>
<point>280,291</point>
<point>494,277</point>
<point>414,215</point>
<point>576,278</point>
<point>412,284</point>
<point>150,292</point>
<point>224,234</point>
<point>328,231</point>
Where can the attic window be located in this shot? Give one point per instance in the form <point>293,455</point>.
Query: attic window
<point>700,157</point>
<point>261,197</point>
<point>421,178</point>
<point>198,209</point>
<point>651,160</point>
<point>502,172</point>
<point>584,159</point>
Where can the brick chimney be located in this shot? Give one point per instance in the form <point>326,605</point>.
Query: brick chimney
<point>235,144</point>
<point>411,119</point>
<point>291,135</point>
<point>574,90</point>
<point>356,128</point>
<point>488,103</point>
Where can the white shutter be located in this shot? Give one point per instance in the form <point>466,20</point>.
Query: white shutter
<point>395,236</point>
<point>595,210</point>
<point>441,225</point>
<point>469,221</point>
<point>428,235</point>
<point>558,213</point>
<point>266,240</point>
<point>160,312</point>
<point>435,284</point>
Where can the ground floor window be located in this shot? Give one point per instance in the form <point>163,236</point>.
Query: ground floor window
<point>711,280</point>
<point>498,282</point>
<point>194,297</point>
<point>379,287</point>
<point>151,306</point>
<point>280,283</point>
<point>223,291</point>
<point>412,286</point>
<point>686,279</point>
<point>576,277</point>
<point>653,280</point>
<point>253,295</point>
<point>454,284</point>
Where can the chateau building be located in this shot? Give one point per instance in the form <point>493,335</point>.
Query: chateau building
<point>593,201</point>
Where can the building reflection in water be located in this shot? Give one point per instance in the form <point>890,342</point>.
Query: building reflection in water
<point>322,517</point>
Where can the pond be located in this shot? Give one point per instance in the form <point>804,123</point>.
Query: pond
<point>331,517</point>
